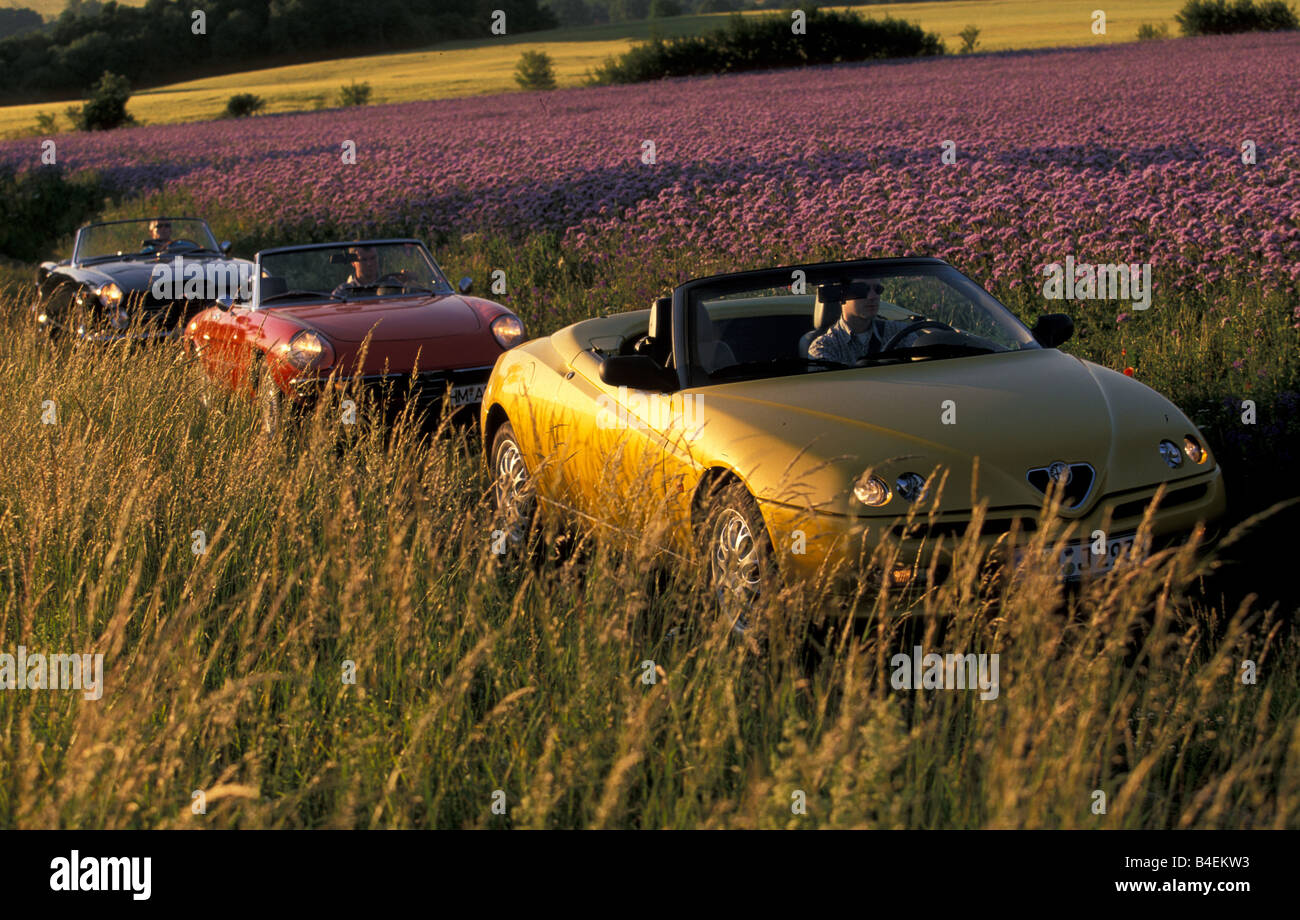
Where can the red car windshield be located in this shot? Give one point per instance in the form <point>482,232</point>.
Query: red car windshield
<point>349,271</point>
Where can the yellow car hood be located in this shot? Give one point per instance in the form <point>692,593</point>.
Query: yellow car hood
<point>804,440</point>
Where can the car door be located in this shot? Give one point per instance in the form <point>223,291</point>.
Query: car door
<point>619,449</point>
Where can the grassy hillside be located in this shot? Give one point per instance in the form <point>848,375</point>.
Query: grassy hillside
<point>487,66</point>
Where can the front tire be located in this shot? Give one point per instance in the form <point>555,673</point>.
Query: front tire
<point>512,487</point>
<point>738,552</point>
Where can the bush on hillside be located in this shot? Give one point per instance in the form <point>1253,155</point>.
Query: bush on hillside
<point>1220,17</point>
<point>768,42</point>
<point>106,107</point>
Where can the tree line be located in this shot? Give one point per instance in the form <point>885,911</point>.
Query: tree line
<point>157,42</point>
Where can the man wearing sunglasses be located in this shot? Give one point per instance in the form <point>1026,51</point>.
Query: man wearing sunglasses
<point>859,332</point>
<point>365,269</point>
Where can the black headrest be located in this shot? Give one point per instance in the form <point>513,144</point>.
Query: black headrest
<point>661,319</point>
<point>826,312</point>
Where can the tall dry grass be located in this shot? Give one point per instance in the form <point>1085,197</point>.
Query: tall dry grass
<point>477,673</point>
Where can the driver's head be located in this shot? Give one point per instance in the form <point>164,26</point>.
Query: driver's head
<point>160,229</point>
<point>365,263</point>
<point>861,302</point>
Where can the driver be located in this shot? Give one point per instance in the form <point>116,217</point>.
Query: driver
<point>859,332</point>
<point>365,268</point>
<point>160,233</point>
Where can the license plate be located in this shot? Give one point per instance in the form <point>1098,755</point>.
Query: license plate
<point>468,395</point>
<point>1077,560</point>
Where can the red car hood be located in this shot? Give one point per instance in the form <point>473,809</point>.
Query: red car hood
<point>390,319</point>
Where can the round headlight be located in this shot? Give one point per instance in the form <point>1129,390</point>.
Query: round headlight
<point>509,331</point>
<point>911,486</point>
<point>1171,454</point>
<point>309,350</point>
<point>109,295</point>
<point>872,491</point>
<point>1195,452</point>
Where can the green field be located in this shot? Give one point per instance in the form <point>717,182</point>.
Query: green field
<point>487,65</point>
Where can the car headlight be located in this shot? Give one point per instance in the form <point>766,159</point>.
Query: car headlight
<point>911,486</point>
<point>509,331</point>
<point>871,490</point>
<point>1195,452</point>
<point>308,350</point>
<point>1171,454</point>
<point>109,295</point>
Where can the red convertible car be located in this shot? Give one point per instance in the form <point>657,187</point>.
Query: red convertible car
<point>326,314</point>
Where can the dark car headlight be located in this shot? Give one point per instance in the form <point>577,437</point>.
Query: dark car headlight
<point>911,487</point>
<point>109,296</point>
<point>1170,453</point>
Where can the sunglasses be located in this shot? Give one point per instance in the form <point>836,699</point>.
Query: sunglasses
<point>863,288</point>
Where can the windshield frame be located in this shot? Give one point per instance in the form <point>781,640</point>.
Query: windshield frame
<point>80,258</point>
<point>440,286</point>
<point>687,295</point>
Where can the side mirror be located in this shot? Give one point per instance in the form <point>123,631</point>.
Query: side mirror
<point>225,247</point>
<point>465,285</point>
<point>1053,329</point>
<point>638,372</point>
<point>225,303</point>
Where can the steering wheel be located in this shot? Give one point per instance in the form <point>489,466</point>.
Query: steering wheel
<point>914,327</point>
<point>174,244</point>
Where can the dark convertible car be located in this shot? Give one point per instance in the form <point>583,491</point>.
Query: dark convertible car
<point>137,279</point>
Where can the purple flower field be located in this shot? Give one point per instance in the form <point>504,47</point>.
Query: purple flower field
<point>1123,153</point>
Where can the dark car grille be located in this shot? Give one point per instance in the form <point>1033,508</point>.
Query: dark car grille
<point>1076,491</point>
<point>155,311</point>
<point>924,530</point>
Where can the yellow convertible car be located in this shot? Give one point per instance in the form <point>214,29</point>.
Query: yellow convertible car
<point>786,421</point>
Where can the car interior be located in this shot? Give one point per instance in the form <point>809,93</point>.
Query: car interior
<point>723,340</point>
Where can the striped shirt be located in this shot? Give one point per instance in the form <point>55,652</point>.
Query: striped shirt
<point>840,344</point>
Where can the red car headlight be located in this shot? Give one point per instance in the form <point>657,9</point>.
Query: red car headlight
<point>509,331</point>
<point>308,351</point>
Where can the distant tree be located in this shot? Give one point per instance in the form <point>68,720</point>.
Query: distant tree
<point>354,94</point>
<point>969,39</point>
<point>535,70</point>
<point>106,107</point>
<point>1219,17</point>
<point>241,105</point>
<point>573,12</point>
<point>662,9</point>
<point>18,21</point>
<point>46,122</point>
<point>1148,32</point>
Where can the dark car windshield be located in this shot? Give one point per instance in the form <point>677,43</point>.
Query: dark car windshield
<point>350,271</point>
<point>826,321</point>
<point>146,237</point>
